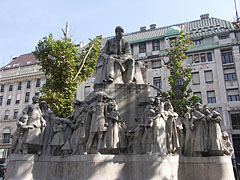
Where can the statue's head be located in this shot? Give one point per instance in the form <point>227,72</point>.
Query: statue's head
<point>24,118</point>
<point>168,106</point>
<point>35,99</point>
<point>43,104</point>
<point>187,116</point>
<point>119,32</point>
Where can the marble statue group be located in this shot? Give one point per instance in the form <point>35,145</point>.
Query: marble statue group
<point>96,125</point>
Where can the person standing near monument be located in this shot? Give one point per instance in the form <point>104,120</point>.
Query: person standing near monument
<point>116,57</point>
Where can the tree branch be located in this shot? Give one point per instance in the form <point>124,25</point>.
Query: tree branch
<point>82,63</point>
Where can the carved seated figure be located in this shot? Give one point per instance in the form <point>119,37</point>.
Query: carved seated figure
<point>115,64</point>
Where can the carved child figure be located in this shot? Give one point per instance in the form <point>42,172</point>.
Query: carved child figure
<point>57,140</point>
<point>17,136</point>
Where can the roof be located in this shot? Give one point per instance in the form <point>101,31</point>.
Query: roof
<point>197,28</point>
<point>201,27</point>
<point>20,61</point>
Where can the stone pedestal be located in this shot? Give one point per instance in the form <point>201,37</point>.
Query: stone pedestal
<point>119,167</point>
<point>128,97</point>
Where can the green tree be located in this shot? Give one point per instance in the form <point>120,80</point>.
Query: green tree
<point>180,76</point>
<point>65,68</point>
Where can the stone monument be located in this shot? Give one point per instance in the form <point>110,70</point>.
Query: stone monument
<point>119,132</point>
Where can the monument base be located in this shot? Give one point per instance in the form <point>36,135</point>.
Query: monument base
<point>119,167</point>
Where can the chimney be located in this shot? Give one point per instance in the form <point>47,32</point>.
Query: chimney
<point>81,44</point>
<point>204,16</point>
<point>153,26</point>
<point>99,37</point>
<point>143,28</point>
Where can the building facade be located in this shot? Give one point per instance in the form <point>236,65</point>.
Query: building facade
<point>214,60</point>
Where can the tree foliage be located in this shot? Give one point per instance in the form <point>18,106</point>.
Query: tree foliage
<point>60,60</point>
<point>180,76</point>
<point>236,24</point>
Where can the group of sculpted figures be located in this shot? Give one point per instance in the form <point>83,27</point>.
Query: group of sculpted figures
<point>93,127</point>
<point>96,127</point>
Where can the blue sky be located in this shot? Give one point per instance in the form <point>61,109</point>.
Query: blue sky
<point>24,22</point>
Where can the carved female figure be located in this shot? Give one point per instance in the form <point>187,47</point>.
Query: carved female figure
<point>200,125</point>
<point>159,130</point>
<point>78,138</point>
<point>171,128</point>
<point>214,143</point>
<point>57,137</point>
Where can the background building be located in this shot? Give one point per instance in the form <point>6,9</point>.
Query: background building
<point>214,60</point>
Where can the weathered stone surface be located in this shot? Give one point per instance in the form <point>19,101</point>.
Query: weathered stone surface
<point>128,97</point>
<point>119,167</point>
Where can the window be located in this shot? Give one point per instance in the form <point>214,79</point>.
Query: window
<point>142,47</point>
<point>87,90</point>
<point>37,94</point>
<point>38,83</point>
<point>211,97</point>
<point>6,115</point>
<point>46,81</point>
<point>19,85</point>
<point>6,135</point>
<point>4,153</point>
<point>208,76</point>
<point>15,114</point>
<point>155,45</point>
<point>233,95</point>
<point>195,78</point>
<point>156,64</point>
<point>172,41</point>
<point>18,99</point>
<point>190,59</point>
<point>203,58</point>
<point>227,57</point>
<point>27,97</point>
<point>236,146</point>
<point>28,84</point>
<point>157,82</point>
<point>196,58</point>
<point>235,118</point>
<point>230,76</point>
<point>2,88</point>
<point>178,81</point>
<point>198,42</point>
<point>1,100</point>
<point>198,94</point>
<point>221,37</point>
<point>209,56</point>
<point>131,49</point>
<point>10,87</point>
<point>9,99</point>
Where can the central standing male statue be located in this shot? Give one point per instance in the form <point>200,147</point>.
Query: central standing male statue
<point>115,63</point>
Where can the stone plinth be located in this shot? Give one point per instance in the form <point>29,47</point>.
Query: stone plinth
<point>119,167</point>
<point>128,97</point>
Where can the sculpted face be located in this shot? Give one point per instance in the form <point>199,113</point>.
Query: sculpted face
<point>119,32</point>
<point>35,99</point>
